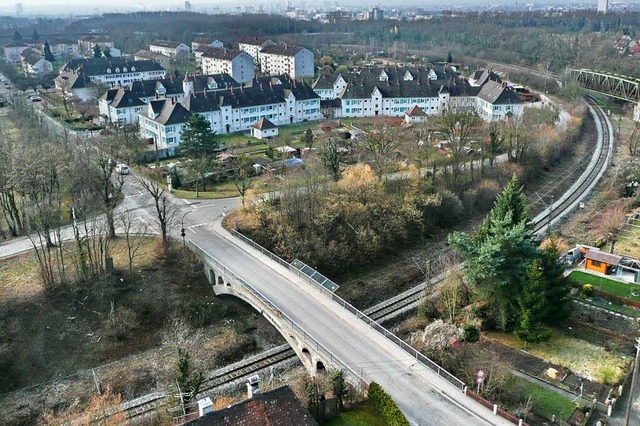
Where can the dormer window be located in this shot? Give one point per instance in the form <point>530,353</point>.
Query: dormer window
<point>212,85</point>
<point>133,69</point>
<point>117,69</point>
<point>124,69</point>
<point>108,70</point>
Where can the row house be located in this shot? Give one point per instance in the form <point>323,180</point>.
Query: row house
<point>253,45</point>
<point>393,91</point>
<point>121,105</point>
<point>281,100</point>
<point>80,75</point>
<point>161,122</point>
<point>172,49</point>
<point>33,64</point>
<point>63,48</point>
<point>295,61</point>
<point>13,50</point>
<point>236,63</point>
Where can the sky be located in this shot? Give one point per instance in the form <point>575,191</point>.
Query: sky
<point>38,7</point>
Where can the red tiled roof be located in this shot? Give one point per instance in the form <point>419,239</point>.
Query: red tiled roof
<point>416,111</point>
<point>598,256</point>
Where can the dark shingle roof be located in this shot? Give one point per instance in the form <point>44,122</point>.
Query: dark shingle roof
<point>31,56</point>
<point>202,82</point>
<point>55,40</point>
<point>99,66</point>
<point>165,43</point>
<point>125,98</point>
<point>279,407</point>
<point>498,94</point>
<point>254,40</point>
<point>74,80</point>
<point>282,50</point>
<point>253,95</point>
<point>220,53</point>
<point>109,95</point>
<point>264,124</point>
<point>148,88</point>
<point>15,44</point>
<point>170,112</point>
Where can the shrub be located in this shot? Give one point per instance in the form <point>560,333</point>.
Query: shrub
<point>471,333</point>
<point>386,406</point>
<point>587,290</point>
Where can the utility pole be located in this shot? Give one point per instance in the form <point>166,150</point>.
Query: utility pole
<point>633,382</point>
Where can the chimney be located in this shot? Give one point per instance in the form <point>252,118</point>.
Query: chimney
<point>205,406</point>
<point>173,101</point>
<point>253,386</point>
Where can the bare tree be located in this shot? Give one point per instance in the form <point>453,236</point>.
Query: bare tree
<point>610,224</point>
<point>457,128</point>
<point>165,210</point>
<point>381,146</point>
<point>634,140</point>
<point>330,156</point>
<point>242,175</point>
<point>133,235</point>
<point>452,292</point>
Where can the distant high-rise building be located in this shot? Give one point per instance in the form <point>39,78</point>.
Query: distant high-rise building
<point>19,9</point>
<point>376,14</point>
<point>603,6</point>
<point>187,6</point>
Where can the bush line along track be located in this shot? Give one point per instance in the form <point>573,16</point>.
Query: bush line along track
<point>411,298</point>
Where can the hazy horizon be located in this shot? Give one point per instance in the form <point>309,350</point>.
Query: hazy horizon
<point>80,7</point>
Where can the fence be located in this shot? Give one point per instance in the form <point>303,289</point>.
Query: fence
<point>360,315</point>
<point>276,313</point>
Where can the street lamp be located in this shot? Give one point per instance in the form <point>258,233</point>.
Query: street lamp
<point>182,233</point>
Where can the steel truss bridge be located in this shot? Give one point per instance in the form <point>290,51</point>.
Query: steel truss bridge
<point>614,85</point>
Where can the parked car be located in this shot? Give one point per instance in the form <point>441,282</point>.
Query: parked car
<point>122,169</point>
<point>35,98</point>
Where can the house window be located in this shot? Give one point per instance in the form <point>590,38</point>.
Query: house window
<point>596,263</point>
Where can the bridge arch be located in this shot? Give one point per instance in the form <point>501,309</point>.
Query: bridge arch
<point>226,285</point>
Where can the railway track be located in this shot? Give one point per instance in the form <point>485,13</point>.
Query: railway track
<point>411,298</point>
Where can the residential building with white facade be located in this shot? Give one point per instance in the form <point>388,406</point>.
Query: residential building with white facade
<point>87,44</point>
<point>33,64</point>
<point>253,46</point>
<point>236,63</point>
<point>393,91</point>
<point>169,48</point>
<point>80,74</point>
<point>202,42</point>
<point>280,59</point>
<point>280,100</point>
<point>13,50</point>
<point>62,48</point>
<point>120,106</point>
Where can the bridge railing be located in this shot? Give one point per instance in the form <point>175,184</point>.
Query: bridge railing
<point>356,378</point>
<point>432,365</point>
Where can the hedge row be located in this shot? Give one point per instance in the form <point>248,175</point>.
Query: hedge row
<point>382,402</point>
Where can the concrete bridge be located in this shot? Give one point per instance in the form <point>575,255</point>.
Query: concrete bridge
<point>328,333</point>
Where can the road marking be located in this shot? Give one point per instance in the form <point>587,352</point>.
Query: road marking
<point>190,228</point>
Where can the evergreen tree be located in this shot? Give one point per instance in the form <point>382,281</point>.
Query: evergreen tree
<point>339,387</point>
<point>449,58</point>
<point>197,140</point>
<point>188,380</point>
<point>308,138</point>
<point>511,201</point>
<point>97,52</point>
<point>557,285</point>
<point>533,306</point>
<point>35,36</point>
<point>17,36</point>
<point>47,52</point>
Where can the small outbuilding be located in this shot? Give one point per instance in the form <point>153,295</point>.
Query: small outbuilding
<point>415,115</point>
<point>598,261</point>
<point>264,129</point>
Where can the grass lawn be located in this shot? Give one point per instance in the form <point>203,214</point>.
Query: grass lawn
<point>629,243</point>
<point>632,312</point>
<point>223,190</point>
<point>362,415</point>
<point>581,357</point>
<point>610,286</point>
<point>546,403</point>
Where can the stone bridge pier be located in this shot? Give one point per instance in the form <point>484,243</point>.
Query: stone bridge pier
<point>308,350</point>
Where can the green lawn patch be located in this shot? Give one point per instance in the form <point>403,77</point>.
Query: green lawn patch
<point>622,309</point>
<point>362,415</point>
<point>546,402</point>
<point>604,284</point>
